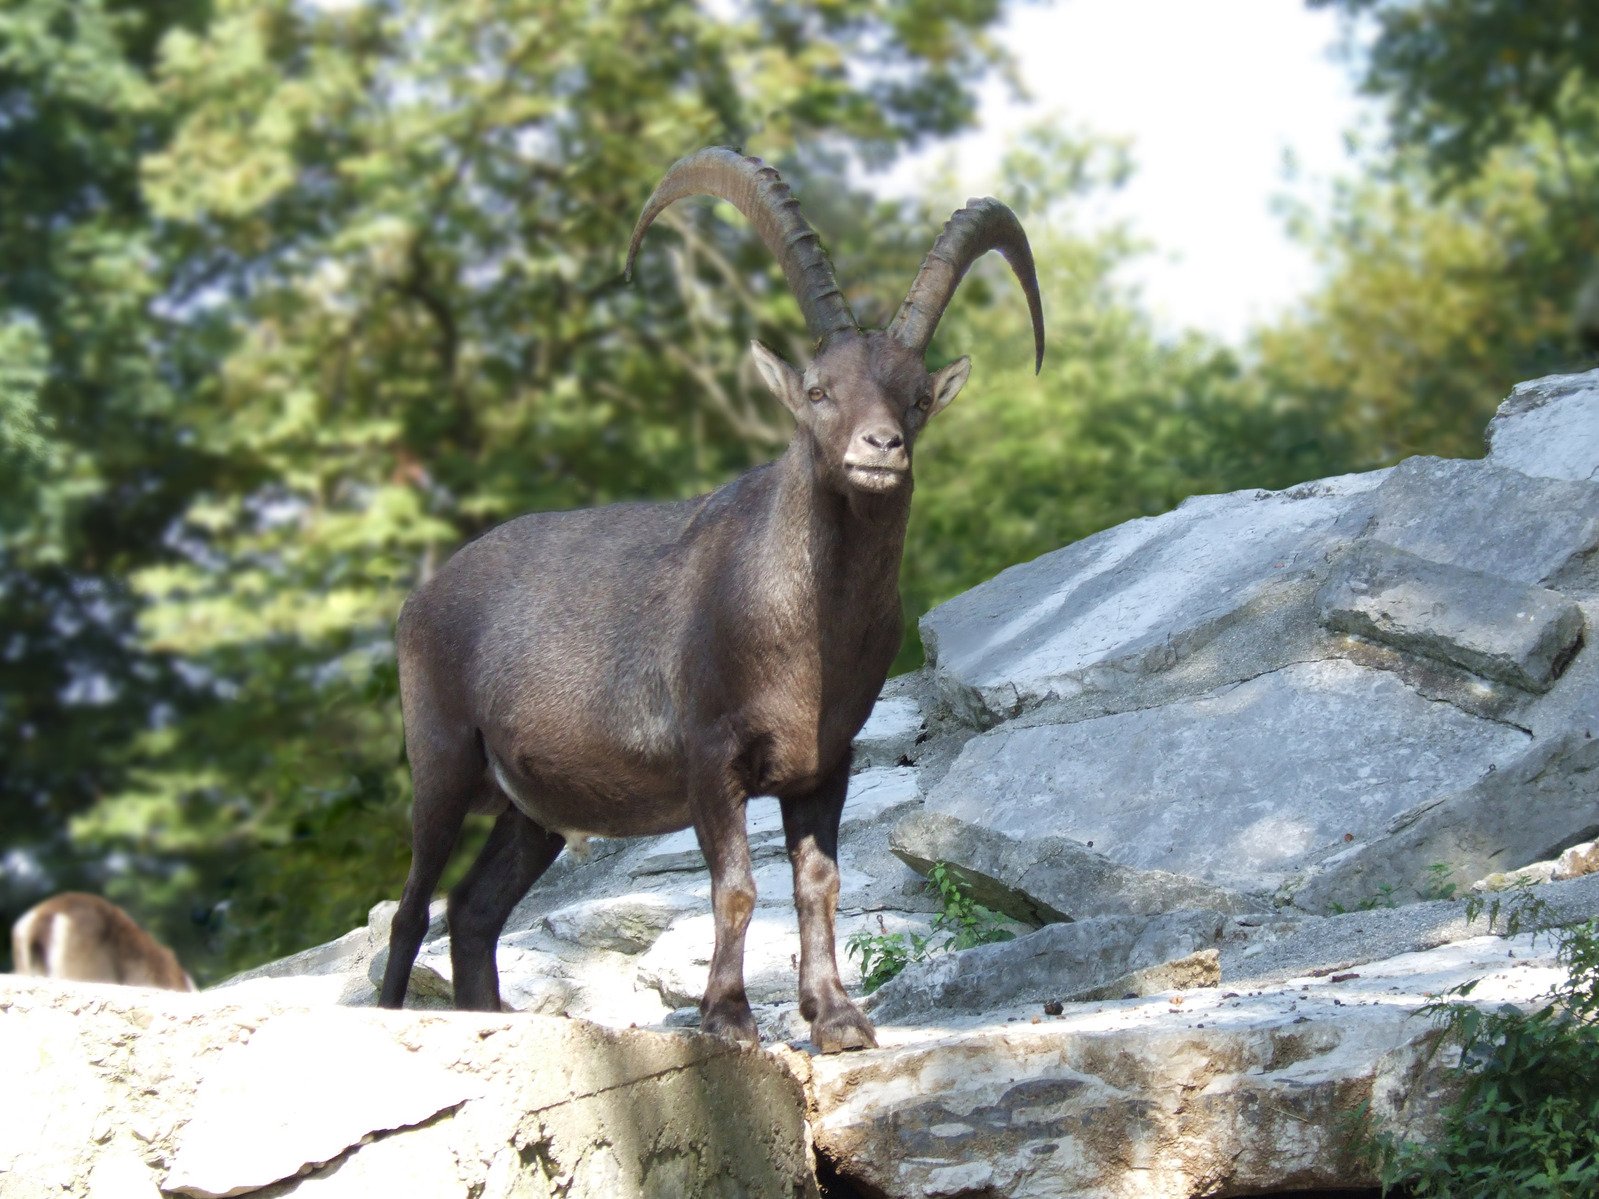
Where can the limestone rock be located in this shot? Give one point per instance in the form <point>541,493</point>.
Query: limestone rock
<point>1192,972</point>
<point>131,1090</point>
<point>1149,611</point>
<point>1481,518</point>
<point>1055,961</point>
<point>1244,788</point>
<point>1039,879</point>
<point>626,923</point>
<point>1550,428</point>
<point>890,733</point>
<point>1500,629</point>
<point>300,1114</point>
<point>1223,1094</point>
<point>1579,860</point>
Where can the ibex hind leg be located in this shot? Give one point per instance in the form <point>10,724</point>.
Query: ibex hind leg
<point>446,775</point>
<point>517,852</point>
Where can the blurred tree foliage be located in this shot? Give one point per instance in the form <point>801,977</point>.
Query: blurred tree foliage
<point>94,465</point>
<point>1454,266</point>
<point>310,294</point>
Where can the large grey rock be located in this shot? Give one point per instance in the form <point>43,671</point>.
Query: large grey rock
<point>1273,951</point>
<point>1148,611</point>
<point>1522,635</point>
<point>1056,961</point>
<point>1549,427</point>
<point>1525,811</point>
<point>1039,878</point>
<point>1245,788</point>
<point>1479,517</point>
<point>114,1092</point>
<point>1221,1094</point>
<point>628,923</point>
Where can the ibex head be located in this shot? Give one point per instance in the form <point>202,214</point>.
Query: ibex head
<point>866,394</point>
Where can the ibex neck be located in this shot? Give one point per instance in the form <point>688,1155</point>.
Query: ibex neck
<point>852,542</point>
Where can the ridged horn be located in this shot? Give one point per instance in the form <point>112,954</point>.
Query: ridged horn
<point>758,192</point>
<point>981,226</point>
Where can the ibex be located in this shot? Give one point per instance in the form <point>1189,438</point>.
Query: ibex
<point>639,668</point>
<point>89,939</point>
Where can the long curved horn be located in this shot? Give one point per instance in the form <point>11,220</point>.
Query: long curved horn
<point>981,226</point>
<point>757,191</point>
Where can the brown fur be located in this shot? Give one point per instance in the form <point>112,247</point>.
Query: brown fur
<point>641,668</point>
<point>89,939</point>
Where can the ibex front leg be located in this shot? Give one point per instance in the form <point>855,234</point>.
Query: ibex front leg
<point>810,825</point>
<point>719,802</point>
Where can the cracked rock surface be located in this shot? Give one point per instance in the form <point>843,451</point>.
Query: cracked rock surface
<point>153,1092</point>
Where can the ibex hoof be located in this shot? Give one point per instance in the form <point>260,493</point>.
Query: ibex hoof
<point>734,1023</point>
<point>841,1029</point>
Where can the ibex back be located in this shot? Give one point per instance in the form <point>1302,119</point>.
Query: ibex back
<point>641,668</point>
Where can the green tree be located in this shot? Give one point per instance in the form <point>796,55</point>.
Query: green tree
<point>1453,265</point>
<point>92,467</point>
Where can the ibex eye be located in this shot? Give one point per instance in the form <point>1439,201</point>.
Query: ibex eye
<point>817,395</point>
<point>924,402</point>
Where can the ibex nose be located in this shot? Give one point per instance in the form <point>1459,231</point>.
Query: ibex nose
<point>883,439</point>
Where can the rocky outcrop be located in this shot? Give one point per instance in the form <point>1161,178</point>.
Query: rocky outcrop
<point>121,1093</point>
<point>1315,696</point>
<point>1216,1092</point>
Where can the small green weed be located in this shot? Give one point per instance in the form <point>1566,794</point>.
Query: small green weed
<point>1438,885</point>
<point>1384,898</point>
<point>962,920</point>
<point>1525,1121</point>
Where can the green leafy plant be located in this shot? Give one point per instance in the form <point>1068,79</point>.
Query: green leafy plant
<point>1384,898</point>
<point>1438,885</point>
<point>963,922</point>
<point>1524,1121</point>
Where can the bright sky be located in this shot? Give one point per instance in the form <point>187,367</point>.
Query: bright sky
<point>1213,95</point>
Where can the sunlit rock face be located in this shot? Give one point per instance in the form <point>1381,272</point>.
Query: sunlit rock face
<point>123,1093</point>
<point>1310,694</point>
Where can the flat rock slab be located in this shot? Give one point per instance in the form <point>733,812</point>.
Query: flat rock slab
<point>1041,879</point>
<point>1550,428</point>
<point>1054,962</point>
<point>1147,611</point>
<point>1480,517</point>
<point>196,1095</point>
<point>260,1083</point>
<point>1209,1092</point>
<point>1513,632</point>
<point>1243,788</point>
<point>1276,951</point>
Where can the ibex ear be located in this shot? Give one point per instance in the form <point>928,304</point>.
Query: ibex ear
<point>783,380</point>
<point>947,383</point>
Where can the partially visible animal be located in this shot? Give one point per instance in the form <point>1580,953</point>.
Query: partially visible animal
<point>89,939</point>
<point>641,668</point>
